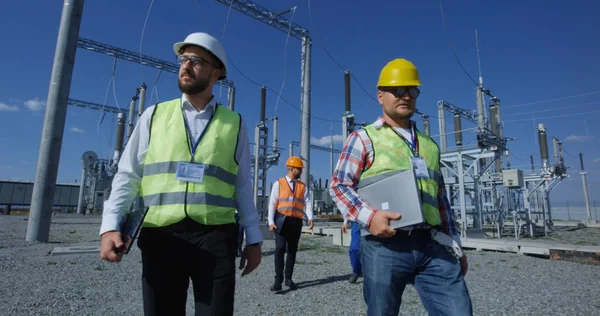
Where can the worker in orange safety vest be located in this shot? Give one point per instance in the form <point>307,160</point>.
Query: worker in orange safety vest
<point>288,202</point>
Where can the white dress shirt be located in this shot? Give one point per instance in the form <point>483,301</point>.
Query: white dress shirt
<point>275,196</point>
<point>126,183</point>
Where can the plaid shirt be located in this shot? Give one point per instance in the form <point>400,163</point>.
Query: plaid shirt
<point>357,156</point>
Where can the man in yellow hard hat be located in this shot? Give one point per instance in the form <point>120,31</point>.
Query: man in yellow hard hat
<point>427,255</point>
<point>189,160</point>
<point>288,202</point>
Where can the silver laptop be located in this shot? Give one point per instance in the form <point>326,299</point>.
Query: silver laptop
<point>398,193</point>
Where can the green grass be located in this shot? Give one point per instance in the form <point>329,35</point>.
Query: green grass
<point>51,263</point>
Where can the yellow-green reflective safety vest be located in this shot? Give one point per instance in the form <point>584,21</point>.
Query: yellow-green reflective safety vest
<point>391,155</point>
<point>170,200</point>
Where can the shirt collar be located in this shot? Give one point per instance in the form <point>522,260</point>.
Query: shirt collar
<point>187,105</point>
<point>289,180</point>
<point>380,122</point>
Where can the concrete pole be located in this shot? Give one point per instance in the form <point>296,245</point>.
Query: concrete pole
<point>305,100</point>
<point>38,224</point>
<point>291,150</point>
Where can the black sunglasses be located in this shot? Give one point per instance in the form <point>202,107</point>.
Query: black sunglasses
<point>398,92</point>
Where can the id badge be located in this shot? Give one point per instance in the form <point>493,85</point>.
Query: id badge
<point>419,166</point>
<point>190,172</point>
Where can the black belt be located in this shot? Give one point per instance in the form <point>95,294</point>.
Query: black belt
<point>420,232</point>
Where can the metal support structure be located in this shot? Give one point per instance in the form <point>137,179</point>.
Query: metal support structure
<point>277,21</point>
<point>95,106</point>
<point>267,17</point>
<point>260,168</point>
<point>305,99</point>
<point>38,224</point>
<point>585,190</point>
<point>316,147</point>
<point>82,186</point>
<point>145,60</point>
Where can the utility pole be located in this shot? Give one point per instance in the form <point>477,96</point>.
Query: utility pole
<point>40,214</point>
<point>585,190</point>
<point>305,99</point>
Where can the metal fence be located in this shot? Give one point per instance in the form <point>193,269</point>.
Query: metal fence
<point>574,210</point>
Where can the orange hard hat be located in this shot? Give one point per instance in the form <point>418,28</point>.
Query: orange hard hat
<point>295,162</point>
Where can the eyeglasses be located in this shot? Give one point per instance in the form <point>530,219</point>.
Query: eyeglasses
<point>197,62</point>
<point>399,92</point>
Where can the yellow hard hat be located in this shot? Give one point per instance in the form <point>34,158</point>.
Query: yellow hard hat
<point>399,73</point>
<point>295,162</point>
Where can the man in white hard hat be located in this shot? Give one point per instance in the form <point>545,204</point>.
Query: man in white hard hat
<point>189,230</point>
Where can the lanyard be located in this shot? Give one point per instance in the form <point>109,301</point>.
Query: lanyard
<point>194,146</point>
<point>414,146</point>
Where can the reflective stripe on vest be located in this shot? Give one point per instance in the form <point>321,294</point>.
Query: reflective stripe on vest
<point>291,203</point>
<point>392,155</point>
<point>170,200</point>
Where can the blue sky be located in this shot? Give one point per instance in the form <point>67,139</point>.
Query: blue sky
<point>530,51</point>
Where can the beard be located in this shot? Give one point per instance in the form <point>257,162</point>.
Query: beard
<point>194,87</point>
<point>400,116</point>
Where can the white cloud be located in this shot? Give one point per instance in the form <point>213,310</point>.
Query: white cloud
<point>35,105</point>
<point>8,108</point>
<point>326,140</point>
<point>24,162</point>
<point>597,160</point>
<point>578,138</point>
<point>76,130</point>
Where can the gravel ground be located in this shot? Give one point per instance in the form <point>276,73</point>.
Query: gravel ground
<point>34,283</point>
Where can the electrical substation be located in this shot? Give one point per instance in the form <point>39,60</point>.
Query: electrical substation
<point>487,195</point>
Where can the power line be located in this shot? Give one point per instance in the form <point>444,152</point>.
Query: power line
<point>312,22</point>
<point>553,109</point>
<point>284,59</point>
<point>277,94</point>
<point>554,116</point>
<point>451,47</point>
<point>142,37</point>
<point>551,100</point>
<point>333,59</point>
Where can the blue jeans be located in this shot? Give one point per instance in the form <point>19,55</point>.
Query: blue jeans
<point>354,251</point>
<point>390,263</point>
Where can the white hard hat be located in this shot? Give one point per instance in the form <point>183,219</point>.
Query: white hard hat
<point>207,42</point>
